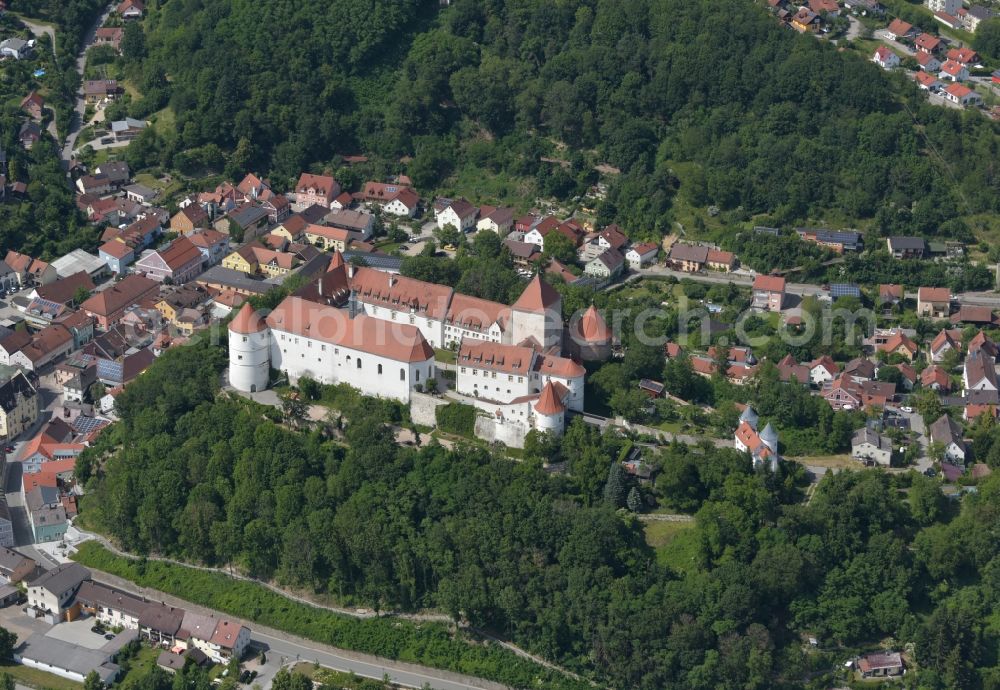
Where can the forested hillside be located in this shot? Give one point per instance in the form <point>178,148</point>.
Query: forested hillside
<point>546,559</point>
<point>763,121</point>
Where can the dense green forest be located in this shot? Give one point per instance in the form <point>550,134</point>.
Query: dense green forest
<point>553,561</point>
<point>761,120</point>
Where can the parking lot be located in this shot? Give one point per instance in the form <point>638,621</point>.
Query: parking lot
<point>79,633</point>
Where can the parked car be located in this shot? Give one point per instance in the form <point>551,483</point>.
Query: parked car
<point>907,409</point>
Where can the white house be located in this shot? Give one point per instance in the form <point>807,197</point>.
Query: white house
<point>868,445</point>
<point>947,6</point>
<point>458,213</point>
<point>822,369</point>
<point>952,70</point>
<point>640,255</point>
<point>499,220</point>
<point>962,95</point>
<point>979,373</point>
<point>53,590</point>
<point>885,58</point>
<point>16,48</point>
<point>403,203</point>
<point>948,433</point>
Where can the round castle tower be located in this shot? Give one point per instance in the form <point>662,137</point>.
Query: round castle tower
<point>549,411</point>
<point>249,351</point>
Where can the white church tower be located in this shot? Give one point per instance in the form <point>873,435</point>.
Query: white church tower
<point>249,351</point>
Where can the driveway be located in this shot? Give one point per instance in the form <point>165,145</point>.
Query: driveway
<point>81,105</point>
<point>884,36</point>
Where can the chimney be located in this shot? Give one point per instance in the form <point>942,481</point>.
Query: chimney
<point>392,280</point>
<point>350,270</point>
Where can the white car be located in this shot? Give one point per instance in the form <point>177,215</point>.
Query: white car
<point>907,409</point>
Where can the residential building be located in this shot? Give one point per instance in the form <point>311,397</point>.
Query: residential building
<point>108,306</point>
<point>47,345</point>
<point>890,294</point>
<point>933,302</point>
<point>947,6</point>
<point>762,446</point>
<point>975,15</point>
<point>109,36</point>
<point>936,378</point>
<point>641,255</point>
<point>885,58</point>
<point>768,293</point>
<point>720,261</point>
<point>979,372</point>
<point>98,90</point>
<point>189,219</point>
<point>46,514</point>
<point>117,255</point>
<point>496,219</point>
<point>130,10</point>
<point>178,262</point>
<point>899,344</point>
<point>929,63</point>
<point>248,221</point>
<point>229,641</point>
<point>395,199</point>
<point>962,95</point>
<point>112,607</point>
<point>34,105</point>
<point>906,247</point>
<point>318,190</point>
<point>948,433</point>
<point>898,29</point>
<point>14,567</point>
<point>358,224</point>
<point>457,213</point>
<point>52,591</point>
<point>609,265</point>
<point>29,134</point>
<point>880,665</point>
<point>869,446</point>
<point>6,533</point>
<point>806,21</point>
<point>160,624</point>
<point>16,48</point>
<point>927,43</point>
<point>212,244</point>
<point>943,342</point>
<point>687,257</point>
<point>127,129</point>
<point>327,237</point>
<point>18,406</point>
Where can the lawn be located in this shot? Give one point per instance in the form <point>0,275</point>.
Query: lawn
<point>141,664</point>
<point>675,543</point>
<point>164,121</point>
<point>444,356</point>
<point>166,190</point>
<point>34,678</point>
<point>840,462</point>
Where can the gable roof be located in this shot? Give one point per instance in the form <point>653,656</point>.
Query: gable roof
<point>897,27</point>
<point>769,283</point>
<point>120,295</point>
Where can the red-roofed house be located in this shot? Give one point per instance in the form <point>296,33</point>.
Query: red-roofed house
<point>935,377</point>
<point>179,262</point>
<point>962,95</point>
<point>926,43</point>
<point>928,62</point>
<point>311,189</point>
<point>926,81</point>
<point>768,293</point>
<point>640,255</point>
<point>885,58</point>
<point>965,56</point>
<point>953,71</point>
<point>898,29</point>
<point>933,302</point>
<point>899,344</point>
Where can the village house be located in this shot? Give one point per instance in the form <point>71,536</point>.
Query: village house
<point>933,302</point>
<point>790,370</point>
<point>953,71</point>
<point>18,406</point>
<point>947,6</point>
<point>358,224</point>
<point>965,56</point>
<point>34,105</point>
<point>979,372</point>
<point>14,567</point>
<point>130,10</point>
<point>109,36</point>
<point>458,213</point>
<point>926,43</point>
<point>16,48</point>
<point>98,90</point>
<point>47,345</point>
<point>768,293</point>
<point>52,591</point>
<point>212,244</point>
<point>29,134</point>
<point>869,446</point>
<point>806,21</point>
<point>885,58</point>
<point>929,63</point>
<point>890,294</point>
<point>247,220</point>
<point>898,29</point>
<point>609,264</point>
<point>687,257</point>
<point>948,433</point>
<point>906,247</point>
<point>641,255</point>
<point>318,190</point>
<point>719,260</point>
<point>899,344</point>
<point>178,263</point>
<point>108,306</point>
<point>973,16</point>
<point>944,341</point>
<point>962,95</point>
<point>496,219</point>
<point>327,237</point>
<point>880,665</point>
<point>935,378</point>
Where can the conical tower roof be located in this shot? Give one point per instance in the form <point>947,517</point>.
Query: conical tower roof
<point>337,262</point>
<point>593,328</point>
<point>770,437</point>
<point>537,297</point>
<point>247,321</point>
<point>548,402</point>
<point>749,416</point>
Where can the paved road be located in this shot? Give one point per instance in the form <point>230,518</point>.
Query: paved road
<point>97,145</point>
<point>883,35</point>
<point>81,104</point>
<point>38,29</point>
<point>276,643</point>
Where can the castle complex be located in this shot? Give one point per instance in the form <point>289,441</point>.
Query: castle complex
<point>377,332</point>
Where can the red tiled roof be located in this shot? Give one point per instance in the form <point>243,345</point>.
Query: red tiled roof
<point>934,294</point>
<point>592,327</point>
<point>898,27</point>
<point>548,402</point>
<point>537,297</point>
<point>769,283</point>
<point>247,321</point>
<point>396,341</point>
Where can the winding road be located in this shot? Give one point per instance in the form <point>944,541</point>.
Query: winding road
<point>81,62</point>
